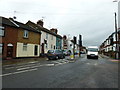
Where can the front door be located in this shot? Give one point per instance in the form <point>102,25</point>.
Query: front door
<point>36,50</point>
<point>10,51</point>
<point>42,49</point>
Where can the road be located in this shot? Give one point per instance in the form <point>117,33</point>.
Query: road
<point>83,73</point>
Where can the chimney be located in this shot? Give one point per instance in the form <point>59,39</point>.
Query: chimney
<point>54,30</point>
<point>40,22</point>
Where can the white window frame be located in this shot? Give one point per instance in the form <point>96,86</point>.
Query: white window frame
<point>1,48</point>
<point>26,33</point>
<point>46,35</point>
<point>51,37</point>
<point>24,46</point>
<point>2,31</point>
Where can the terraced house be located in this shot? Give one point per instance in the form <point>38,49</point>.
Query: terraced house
<point>108,47</point>
<point>18,39</point>
<point>49,38</point>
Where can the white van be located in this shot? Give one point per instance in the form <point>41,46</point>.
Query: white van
<point>92,52</point>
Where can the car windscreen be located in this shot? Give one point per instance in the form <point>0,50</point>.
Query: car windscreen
<point>58,51</point>
<point>51,51</point>
<point>93,49</point>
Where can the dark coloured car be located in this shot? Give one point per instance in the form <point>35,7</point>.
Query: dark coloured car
<point>55,54</point>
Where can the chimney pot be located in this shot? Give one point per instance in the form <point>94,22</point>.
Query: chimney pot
<point>40,22</point>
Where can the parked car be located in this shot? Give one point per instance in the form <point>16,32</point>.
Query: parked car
<point>55,54</point>
<point>76,52</point>
<point>82,52</point>
<point>67,52</point>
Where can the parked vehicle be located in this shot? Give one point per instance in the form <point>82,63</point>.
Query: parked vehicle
<point>92,52</point>
<point>67,52</point>
<point>55,54</point>
<point>82,52</point>
<point>76,52</point>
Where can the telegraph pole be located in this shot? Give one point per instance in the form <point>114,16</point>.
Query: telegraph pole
<point>74,42</point>
<point>80,44</point>
<point>116,37</point>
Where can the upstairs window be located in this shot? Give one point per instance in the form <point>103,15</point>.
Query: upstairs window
<point>2,31</point>
<point>25,34</point>
<point>46,35</point>
<point>52,37</point>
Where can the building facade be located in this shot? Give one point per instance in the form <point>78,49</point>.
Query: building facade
<point>108,47</point>
<point>50,40</point>
<point>18,39</point>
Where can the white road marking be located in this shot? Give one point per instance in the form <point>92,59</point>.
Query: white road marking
<point>33,62</point>
<point>88,63</point>
<point>25,65</point>
<point>49,64</point>
<point>36,66</point>
<point>56,62</point>
<point>19,72</point>
<point>23,68</point>
<point>6,74</point>
<point>95,64</point>
<point>10,68</point>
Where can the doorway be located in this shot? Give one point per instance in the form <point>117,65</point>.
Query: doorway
<point>10,50</point>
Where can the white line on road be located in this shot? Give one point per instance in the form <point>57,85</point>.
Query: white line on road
<point>23,68</point>
<point>33,62</point>
<point>19,72</point>
<point>10,68</point>
<point>49,64</point>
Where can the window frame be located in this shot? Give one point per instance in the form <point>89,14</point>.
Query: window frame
<point>26,34</point>
<point>2,45</point>
<point>46,35</point>
<point>25,45</point>
<point>3,31</point>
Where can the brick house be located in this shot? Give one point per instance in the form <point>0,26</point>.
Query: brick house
<point>18,39</point>
<point>8,35</point>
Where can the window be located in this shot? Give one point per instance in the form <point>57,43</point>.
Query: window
<point>46,46</point>
<point>1,48</point>
<point>46,35</point>
<point>24,47</point>
<point>25,34</point>
<point>54,47</point>
<point>51,46</point>
<point>52,37</point>
<point>2,30</point>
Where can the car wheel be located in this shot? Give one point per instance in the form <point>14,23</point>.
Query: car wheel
<point>49,58</point>
<point>56,57</point>
<point>62,57</point>
<point>87,57</point>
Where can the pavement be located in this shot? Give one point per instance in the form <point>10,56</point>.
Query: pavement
<point>30,60</point>
<point>22,60</point>
<point>111,59</point>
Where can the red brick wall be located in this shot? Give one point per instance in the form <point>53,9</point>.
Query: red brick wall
<point>11,34</point>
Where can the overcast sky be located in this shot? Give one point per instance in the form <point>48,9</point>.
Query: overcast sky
<point>93,19</point>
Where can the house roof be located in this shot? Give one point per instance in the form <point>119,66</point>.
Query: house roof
<point>27,27</point>
<point>13,23</point>
<point>6,21</point>
<point>42,29</point>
